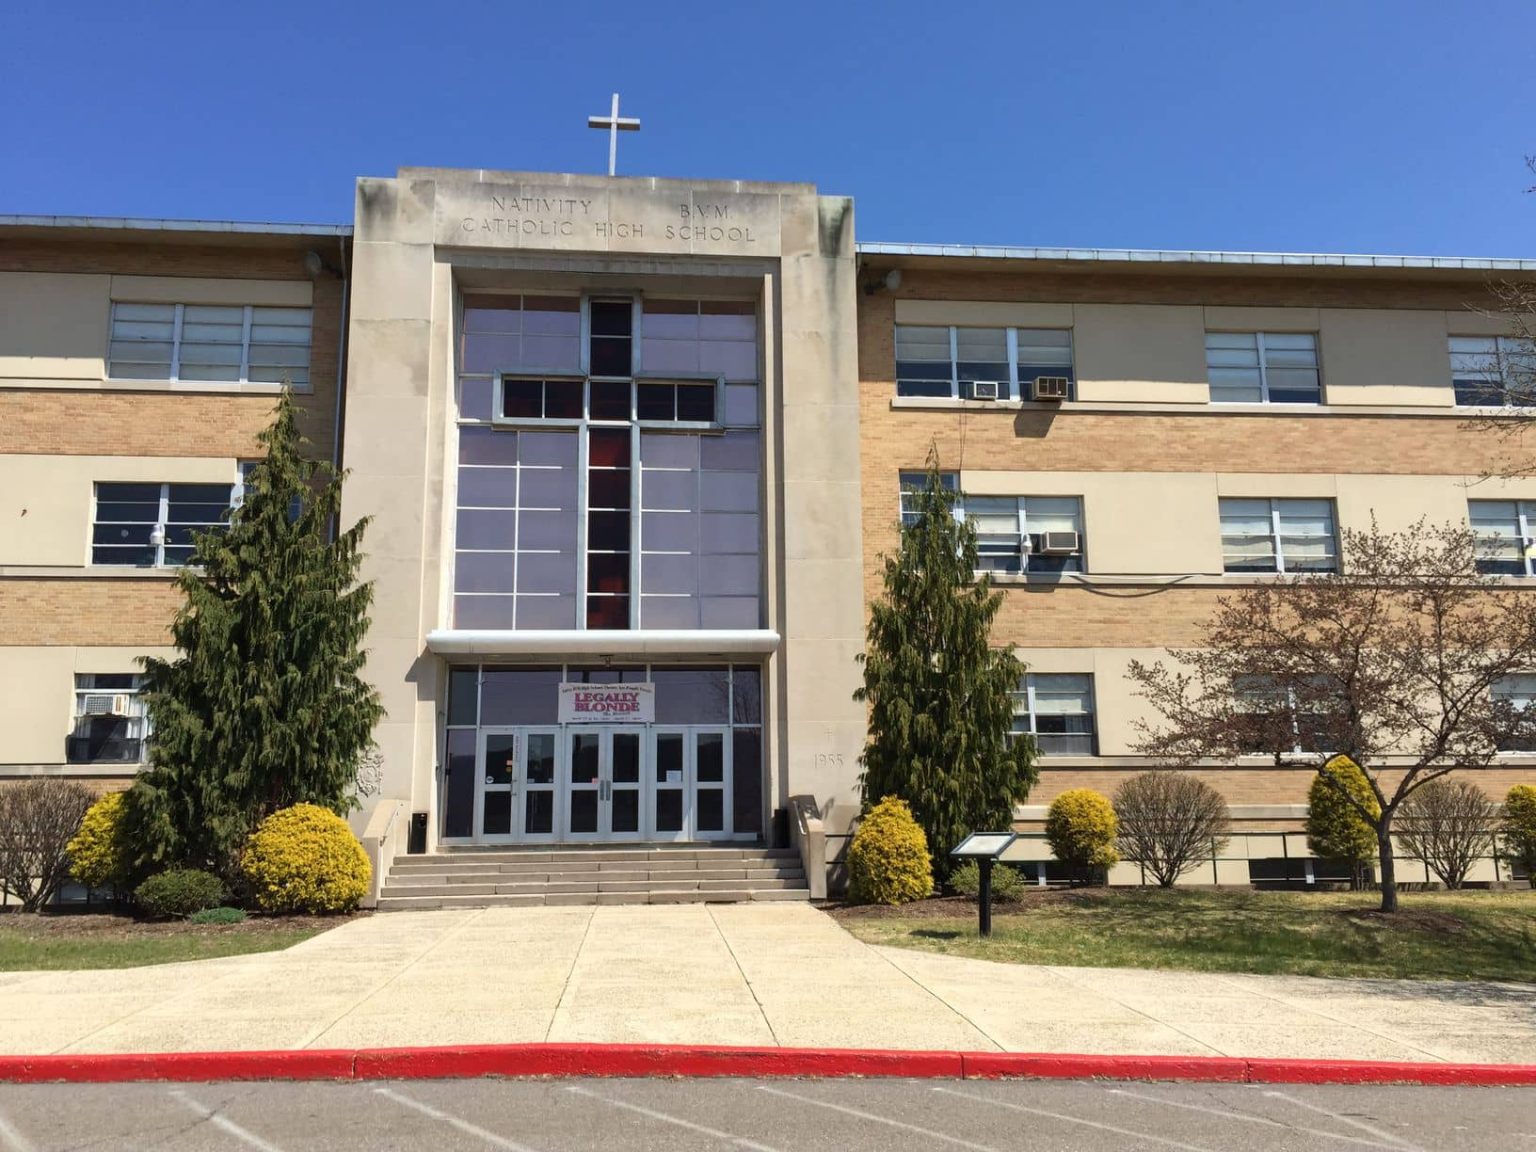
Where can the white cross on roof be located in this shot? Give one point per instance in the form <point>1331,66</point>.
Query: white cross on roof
<point>615,124</point>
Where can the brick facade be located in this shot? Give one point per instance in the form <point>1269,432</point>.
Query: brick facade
<point>110,612</point>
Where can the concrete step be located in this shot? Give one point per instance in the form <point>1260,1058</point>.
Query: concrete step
<point>390,902</point>
<point>672,876</point>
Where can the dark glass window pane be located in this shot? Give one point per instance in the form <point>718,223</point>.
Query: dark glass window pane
<point>122,534</point>
<point>610,400</point>
<point>538,812</point>
<point>747,692</point>
<point>608,572</point>
<point>611,317</point>
<point>522,399</point>
<point>608,488</point>
<point>129,494</point>
<point>709,811</point>
<point>214,495</point>
<point>656,401</point>
<point>747,779</point>
<point>626,757</point>
<point>696,402</point>
<point>584,811</point>
<point>520,696</point>
<point>608,612</point>
<point>626,810</point>
<point>459,784</point>
<point>463,696</point>
<point>497,819</point>
<point>691,695</point>
<point>539,763</point>
<point>562,399</point>
<point>669,755</point>
<point>610,357</point>
<point>608,531</point>
<point>500,759</point>
<point>609,448</point>
<point>669,810</point>
<point>709,758</point>
<point>584,757</point>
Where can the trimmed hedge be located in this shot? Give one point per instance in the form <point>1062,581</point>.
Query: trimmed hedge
<point>1081,827</point>
<point>888,859</point>
<point>1008,883</point>
<point>305,859</point>
<point>179,892</point>
<point>99,855</point>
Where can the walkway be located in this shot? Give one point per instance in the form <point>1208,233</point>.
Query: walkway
<point>729,974</point>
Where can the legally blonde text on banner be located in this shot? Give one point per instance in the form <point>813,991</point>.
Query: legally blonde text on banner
<point>607,703</point>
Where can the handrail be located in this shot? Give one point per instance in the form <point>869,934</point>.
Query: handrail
<point>807,833</point>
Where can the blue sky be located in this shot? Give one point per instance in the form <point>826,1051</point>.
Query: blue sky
<point>1298,125</point>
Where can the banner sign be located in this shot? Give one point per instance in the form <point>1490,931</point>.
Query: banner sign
<point>607,703</point>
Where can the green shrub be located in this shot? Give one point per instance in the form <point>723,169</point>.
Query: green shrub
<point>217,916</point>
<point>305,859</point>
<point>888,859</point>
<point>99,855</point>
<point>1008,883</point>
<point>1520,828</point>
<point>1336,829</point>
<point>1081,827</point>
<point>179,892</point>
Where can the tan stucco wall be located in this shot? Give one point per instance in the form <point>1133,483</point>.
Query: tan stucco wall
<point>46,501</point>
<point>37,706</point>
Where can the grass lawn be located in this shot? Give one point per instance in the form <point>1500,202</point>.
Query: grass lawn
<point>106,941</point>
<point>1454,936</point>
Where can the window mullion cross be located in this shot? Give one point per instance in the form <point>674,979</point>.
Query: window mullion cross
<point>160,522</point>
<point>176,342</point>
<point>245,343</point>
<point>1274,528</point>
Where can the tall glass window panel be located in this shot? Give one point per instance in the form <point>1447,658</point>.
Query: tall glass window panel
<point>516,523</point>
<point>1518,692</point>
<point>669,530</point>
<point>699,337</point>
<point>999,523</point>
<point>923,363</point>
<point>1057,710</point>
<point>152,525</point>
<point>1502,529</point>
<point>610,340</point>
<point>1042,352</point>
<point>1278,535</point>
<point>608,517</point>
<point>527,334</point>
<point>1263,367</point>
<point>210,343</point>
<point>1493,371</point>
<point>981,354</point>
<point>913,484</point>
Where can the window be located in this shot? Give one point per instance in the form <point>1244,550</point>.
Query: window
<point>1520,693</point>
<point>210,343</point>
<point>151,525</point>
<point>1003,523</point>
<point>1278,536</point>
<point>913,483</point>
<point>1263,368</point>
<point>1503,530</point>
<point>949,361</point>
<point>1282,718</point>
<point>1057,710</point>
<point>1493,371</point>
<point>110,724</point>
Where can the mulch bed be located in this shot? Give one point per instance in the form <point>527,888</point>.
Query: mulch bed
<point>950,907</point>
<point>107,925</point>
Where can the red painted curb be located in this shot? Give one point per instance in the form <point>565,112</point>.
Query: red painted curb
<point>1053,1066</point>
<point>641,1060</point>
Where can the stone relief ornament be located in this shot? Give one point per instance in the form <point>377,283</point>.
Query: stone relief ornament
<point>370,773</point>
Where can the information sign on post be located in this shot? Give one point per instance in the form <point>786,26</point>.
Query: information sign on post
<point>986,848</point>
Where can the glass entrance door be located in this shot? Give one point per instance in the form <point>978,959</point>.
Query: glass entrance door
<point>515,798</point>
<point>496,764</point>
<point>690,784</point>
<point>603,778</point>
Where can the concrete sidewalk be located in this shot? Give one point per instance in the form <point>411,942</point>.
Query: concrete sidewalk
<point>730,974</point>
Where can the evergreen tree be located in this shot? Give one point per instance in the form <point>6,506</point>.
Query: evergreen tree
<point>939,698</point>
<point>264,706</point>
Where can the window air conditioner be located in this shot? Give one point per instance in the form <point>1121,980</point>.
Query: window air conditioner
<point>985,389</point>
<point>1050,388</point>
<point>98,704</point>
<point>1060,543</point>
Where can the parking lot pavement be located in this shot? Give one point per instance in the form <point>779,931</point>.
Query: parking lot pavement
<point>763,1115</point>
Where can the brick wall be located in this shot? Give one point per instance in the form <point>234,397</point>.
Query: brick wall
<point>81,611</point>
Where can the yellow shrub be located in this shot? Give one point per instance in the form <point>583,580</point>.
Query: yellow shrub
<point>98,852</point>
<point>305,859</point>
<point>1081,828</point>
<point>888,859</point>
<point>1520,827</point>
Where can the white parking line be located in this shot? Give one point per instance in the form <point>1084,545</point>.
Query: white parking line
<point>464,1126</point>
<point>13,1140</point>
<point>1351,1121</point>
<point>928,1132</point>
<point>1076,1120</point>
<point>223,1124</point>
<point>739,1141</point>
<point>1250,1118</point>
